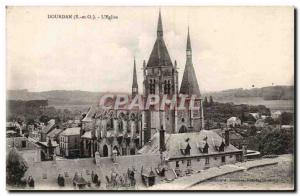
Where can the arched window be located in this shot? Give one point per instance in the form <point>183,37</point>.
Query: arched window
<point>116,149</point>
<point>105,151</point>
<point>110,123</point>
<point>120,125</point>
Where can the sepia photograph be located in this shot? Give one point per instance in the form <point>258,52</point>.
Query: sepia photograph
<point>159,98</point>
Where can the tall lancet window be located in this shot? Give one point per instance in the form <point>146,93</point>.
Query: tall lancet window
<point>152,86</point>
<point>167,87</point>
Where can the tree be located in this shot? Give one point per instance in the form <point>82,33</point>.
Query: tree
<point>44,119</point>
<point>287,118</point>
<point>276,141</point>
<point>16,167</point>
<point>205,102</point>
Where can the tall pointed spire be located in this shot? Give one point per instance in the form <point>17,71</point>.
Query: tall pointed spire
<point>189,83</point>
<point>134,81</point>
<point>159,55</point>
<point>188,43</point>
<point>159,26</point>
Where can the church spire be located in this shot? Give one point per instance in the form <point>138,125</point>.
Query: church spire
<point>159,55</point>
<point>188,43</point>
<point>135,89</point>
<point>189,83</point>
<point>159,26</point>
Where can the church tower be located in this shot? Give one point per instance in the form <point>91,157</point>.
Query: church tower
<point>189,86</point>
<point>160,78</point>
<point>135,88</point>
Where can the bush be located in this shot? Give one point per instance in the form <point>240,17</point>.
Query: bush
<point>16,167</point>
<point>276,141</point>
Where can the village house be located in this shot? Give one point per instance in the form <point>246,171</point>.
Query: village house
<point>70,142</point>
<point>193,151</point>
<point>233,122</point>
<point>26,147</point>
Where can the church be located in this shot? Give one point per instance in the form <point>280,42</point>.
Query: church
<point>123,132</point>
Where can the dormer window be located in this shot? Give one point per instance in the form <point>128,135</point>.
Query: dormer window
<point>205,149</point>
<point>221,147</point>
<point>185,148</point>
<point>188,149</point>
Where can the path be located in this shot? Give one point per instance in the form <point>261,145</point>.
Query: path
<point>189,181</point>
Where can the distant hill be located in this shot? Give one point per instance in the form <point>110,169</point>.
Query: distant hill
<point>58,97</point>
<point>77,97</point>
<point>267,93</point>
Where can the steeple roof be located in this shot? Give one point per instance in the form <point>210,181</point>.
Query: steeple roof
<point>134,81</point>
<point>159,55</point>
<point>188,43</point>
<point>189,83</point>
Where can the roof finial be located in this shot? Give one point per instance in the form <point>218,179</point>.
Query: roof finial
<point>159,26</point>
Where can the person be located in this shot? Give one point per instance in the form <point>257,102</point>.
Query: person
<point>75,179</point>
<point>60,180</point>
<point>95,179</point>
<point>131,177</point>
<point>30,182</point>
<point>92,176</point>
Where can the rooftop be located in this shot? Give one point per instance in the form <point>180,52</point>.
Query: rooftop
<point>71,131</point>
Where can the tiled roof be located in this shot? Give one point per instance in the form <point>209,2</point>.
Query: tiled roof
<point>174,143</point>
<point>87,135</point>
<point>71,131</point>
<point>54,143</point>
<point>89,116</point>
<point>50,125</point>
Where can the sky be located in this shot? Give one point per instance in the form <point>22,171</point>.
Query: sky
<point>233,47</point>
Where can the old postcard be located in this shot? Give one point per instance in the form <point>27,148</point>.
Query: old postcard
<point>150,98</point>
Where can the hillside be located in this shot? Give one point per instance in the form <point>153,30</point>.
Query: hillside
<point>77,97</point>
<point>57,97</point>
<point>267,93</point>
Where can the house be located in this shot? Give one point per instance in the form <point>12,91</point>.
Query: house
<point>54,135</point>
<point>69,142</point>
<point>26,147</point>
<point>45,130</point>
<point>233,122</point>
<point>260,123</point>
<point>235,138</point>
<point>193,151</point>
<point>276,114</point>
<point>255,115</point>
<point>48,149</point>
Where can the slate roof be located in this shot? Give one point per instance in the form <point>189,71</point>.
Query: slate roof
<point>54,132</point>
<point>71,131</point>
<point>175,142</point>
<point>89,116</point>
<point>49,127</point>
<point>159,55</point>
<point>87,135</point>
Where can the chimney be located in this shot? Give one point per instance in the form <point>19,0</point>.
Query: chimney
<point>227,137</point>
<point>162,147</point>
